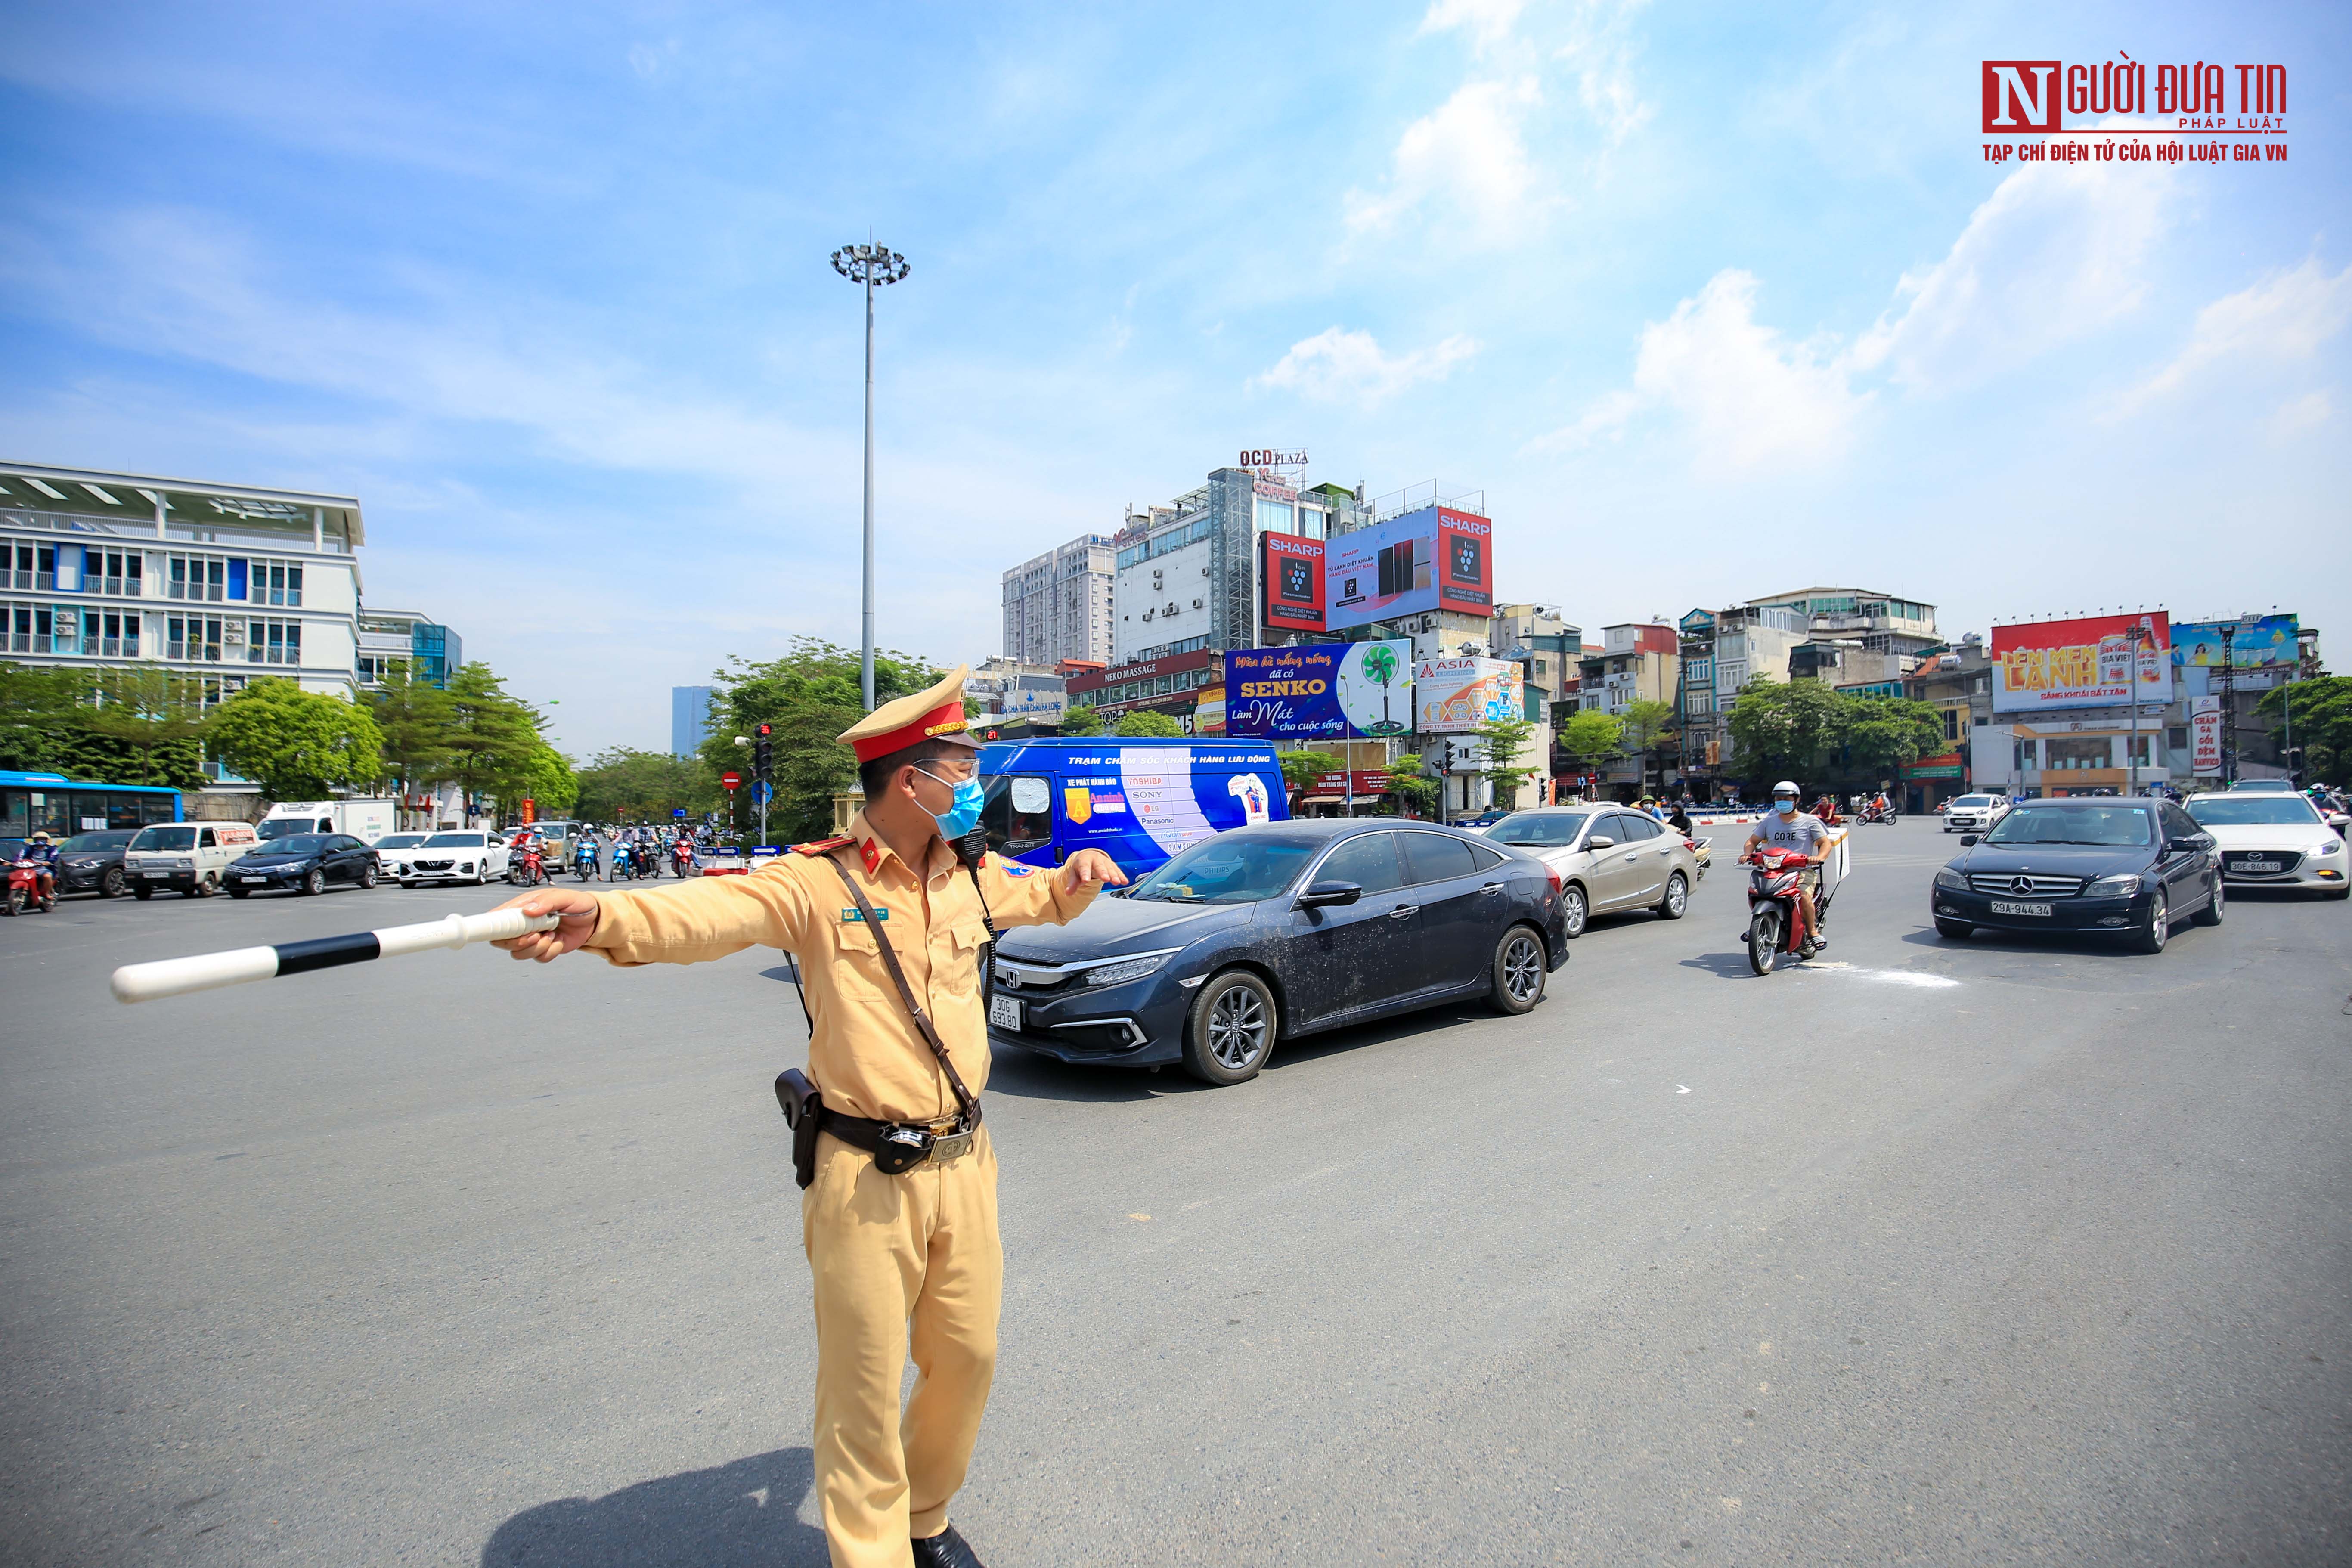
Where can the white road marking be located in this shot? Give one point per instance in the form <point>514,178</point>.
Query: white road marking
<point>1682,1089</point>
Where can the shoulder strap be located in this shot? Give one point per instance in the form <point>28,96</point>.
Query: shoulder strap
<point>969,1106</point>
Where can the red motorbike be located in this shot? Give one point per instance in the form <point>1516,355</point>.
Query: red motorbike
<point>1775,918</point>
<point>528,870</point>
<point>682,855</point>
<point>31,883</point>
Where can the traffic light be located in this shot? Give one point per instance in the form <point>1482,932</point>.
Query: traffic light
<point>762,752</point>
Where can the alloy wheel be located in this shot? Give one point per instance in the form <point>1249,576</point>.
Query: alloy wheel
<point>1237,1028</point>
<point>1574,911</point>
<point>1523,968</point>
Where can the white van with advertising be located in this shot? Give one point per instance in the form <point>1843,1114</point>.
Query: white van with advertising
<point>189,858</point>
<point>365,820</point>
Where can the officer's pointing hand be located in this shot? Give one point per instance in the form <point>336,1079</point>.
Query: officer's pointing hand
<point>579,911</point>
<point>1087,868</point>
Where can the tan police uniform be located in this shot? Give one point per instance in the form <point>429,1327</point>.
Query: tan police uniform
<point>885,1251</point>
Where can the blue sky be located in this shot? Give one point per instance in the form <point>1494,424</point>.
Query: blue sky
<point>1712,302</point>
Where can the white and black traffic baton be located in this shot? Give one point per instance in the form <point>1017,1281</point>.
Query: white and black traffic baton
<point>205,971</point>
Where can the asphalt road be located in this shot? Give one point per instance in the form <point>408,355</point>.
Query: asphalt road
<point>1924,1253</point>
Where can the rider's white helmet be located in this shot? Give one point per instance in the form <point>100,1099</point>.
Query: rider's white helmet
<point>1785,786</point>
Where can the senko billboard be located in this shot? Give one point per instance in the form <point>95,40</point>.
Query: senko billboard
<point>1434,558</point>
<point>2086,662</point>
<point>1321,690</point>
<point>1290,571</point>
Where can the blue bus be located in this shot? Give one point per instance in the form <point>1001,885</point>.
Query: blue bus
<point>1140,800</point>
<point>61,808</point>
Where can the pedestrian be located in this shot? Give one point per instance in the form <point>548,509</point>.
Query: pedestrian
<point>889,925</point>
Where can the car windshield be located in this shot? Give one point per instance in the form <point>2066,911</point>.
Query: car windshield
<point>286,827</point>
<point>90,843</point>
<point>453,841</point>
<point>159,837</point>
<point>399,841</point>
<point>2122,825</point>
<point>299,843</point>
<point>1229,870</point>
<point>2262,787</point>
<point>1974,800</point>
<point>1539,830</point>
<point>2255,811</point>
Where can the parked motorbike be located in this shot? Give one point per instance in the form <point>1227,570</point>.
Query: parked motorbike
<point>1776,920</point>
<point>31,884</point>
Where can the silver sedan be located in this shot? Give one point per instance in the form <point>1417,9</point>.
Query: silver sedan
<point>1608,859</point>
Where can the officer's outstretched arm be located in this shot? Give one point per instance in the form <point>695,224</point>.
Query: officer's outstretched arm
<point>693,922</point>
<point>1022,895</point>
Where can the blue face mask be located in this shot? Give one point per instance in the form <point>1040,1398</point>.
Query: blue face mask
<point>963,815</point>
<point>1785,807</point>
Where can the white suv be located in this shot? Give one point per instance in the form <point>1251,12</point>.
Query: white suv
<point>1975,813</point>
<point>472,856</point>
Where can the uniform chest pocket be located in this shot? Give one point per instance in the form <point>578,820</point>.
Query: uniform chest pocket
<point>858,970</point>
<point>959,965</point>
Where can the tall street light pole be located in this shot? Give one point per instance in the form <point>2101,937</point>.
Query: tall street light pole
<point>867,266</point>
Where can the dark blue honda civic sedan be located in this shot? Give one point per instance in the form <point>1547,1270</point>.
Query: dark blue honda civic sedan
<point>1267,933</point>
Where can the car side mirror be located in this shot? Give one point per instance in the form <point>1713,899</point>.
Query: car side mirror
<point>2188,841</point>
<point>1968,840</point>
<point>1600,843</point>
<point>1323,895</point>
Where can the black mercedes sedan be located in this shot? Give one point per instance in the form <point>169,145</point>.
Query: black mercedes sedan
<point>1267,933</point>
<point>304,862</point>
<point>93,862</point>
<point>2106,865</point>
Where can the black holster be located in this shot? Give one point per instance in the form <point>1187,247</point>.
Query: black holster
<point>804,1108</point>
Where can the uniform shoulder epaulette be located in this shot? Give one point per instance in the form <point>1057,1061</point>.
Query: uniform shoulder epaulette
<point>822,847</point>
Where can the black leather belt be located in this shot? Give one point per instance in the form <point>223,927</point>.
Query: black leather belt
<point>859,1132</point>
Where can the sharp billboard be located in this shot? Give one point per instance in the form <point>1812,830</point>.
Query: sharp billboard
<point>1291,571</point>
<point>2082,663</point>
<point>1432,559</point>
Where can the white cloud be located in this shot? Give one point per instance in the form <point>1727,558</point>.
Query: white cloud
<point>1488,22</point>
<point>1600,48</point>
<point>1336,366</point>
<point>2284,316</point>
<point>2055,252</point>
<point>1469,154</point>
<point>2307,412</point>
<point>1752,399</point>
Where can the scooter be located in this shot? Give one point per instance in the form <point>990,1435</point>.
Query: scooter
<point>1776,920</point>
<point>682,859</point>
<point>624,864</point>
<point>30,883</point>
<point>583,863</point>
<point>1872,812</point>
<point>529,870</point>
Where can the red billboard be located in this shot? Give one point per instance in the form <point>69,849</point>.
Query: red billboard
<point>1291,569</point>
<point>2090,661</point>
<point>1466,575</point>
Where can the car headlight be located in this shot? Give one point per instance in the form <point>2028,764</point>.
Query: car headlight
<point>2118,886</point>
<point>1948,878</point>
<point>2333,847</point>
<point>184,864</point>
<point>1126,969</point>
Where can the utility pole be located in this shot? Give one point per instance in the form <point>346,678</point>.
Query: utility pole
<point>865,266</point>
<point>2229,705</point>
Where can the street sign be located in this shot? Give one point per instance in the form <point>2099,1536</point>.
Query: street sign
<point>677,811</point>
<point>730,780</point>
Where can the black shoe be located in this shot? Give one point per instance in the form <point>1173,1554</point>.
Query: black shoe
<point>945,1550</point>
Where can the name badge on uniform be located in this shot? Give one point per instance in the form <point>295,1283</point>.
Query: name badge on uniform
<point>852,915</point>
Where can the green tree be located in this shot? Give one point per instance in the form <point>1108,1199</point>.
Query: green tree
<point>1081,722</point>
<point>1647,725</point>
<point>296,745</point>
<point>1146,724</point>
<point>1786,731</point>
<point>1882,733</point>
<point>1592,735</point>
<point>1301,769</point>
<point>645,785</point>
<point>40,708</point>
<point>491,739</point>
<point>547,782</point>
<point>2322,715</point>
<point>809,694</point>
<point>1409,780</point>
<point>414,719</point>
<point>1510,761</point>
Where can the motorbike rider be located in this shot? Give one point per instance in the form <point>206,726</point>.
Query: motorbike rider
<point>1785,828</point>
<point>40,849</point>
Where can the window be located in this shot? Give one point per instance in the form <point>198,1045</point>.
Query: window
<point>111,572</point>
<point>2177,738</point>
<point>1951,724</point>
<point>2078,752</point>
<point>1018,813</point>
<point>40,628</point>
<point>1369,862</point>
<point>202,577</point>
<point>1275,516</point>
<point>2136,748</point>
<point>273,642</point>
<point>1437,858</point>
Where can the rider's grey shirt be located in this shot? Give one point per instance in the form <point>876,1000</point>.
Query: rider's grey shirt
<point>1804,832</point>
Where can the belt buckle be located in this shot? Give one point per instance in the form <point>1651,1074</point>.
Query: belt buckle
<point>953,1146</point>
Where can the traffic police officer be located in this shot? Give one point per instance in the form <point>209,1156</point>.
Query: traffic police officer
<point>917,1249</point>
